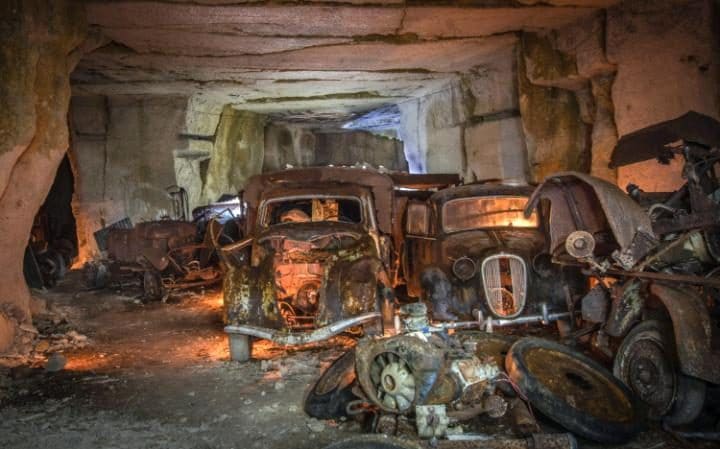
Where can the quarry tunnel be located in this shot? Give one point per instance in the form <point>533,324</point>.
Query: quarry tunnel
<point>192,190</point>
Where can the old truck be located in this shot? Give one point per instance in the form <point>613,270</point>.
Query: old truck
<point>317,259</point>
<point>471,254</point>
<point>655,259</point>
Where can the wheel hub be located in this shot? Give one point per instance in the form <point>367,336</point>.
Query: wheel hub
<point>651,376</point>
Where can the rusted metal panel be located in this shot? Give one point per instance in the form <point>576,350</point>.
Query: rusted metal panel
<point>650,143</point>
<point>574,197</point>
<point>693,331</point>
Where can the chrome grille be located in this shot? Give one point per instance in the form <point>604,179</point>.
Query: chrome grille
<point>505,283</point>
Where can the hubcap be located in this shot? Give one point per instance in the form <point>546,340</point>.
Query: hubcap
<point>650,375</point>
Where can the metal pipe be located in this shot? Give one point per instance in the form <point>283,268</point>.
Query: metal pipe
<point>490,323</point>
<point>283,337</point>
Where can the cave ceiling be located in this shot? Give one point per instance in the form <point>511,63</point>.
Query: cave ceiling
<point>307,59</point>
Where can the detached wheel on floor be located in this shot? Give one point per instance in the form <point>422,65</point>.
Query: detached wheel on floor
<point>573,390</point>
<point>330,395</point>
<point>646,363</point>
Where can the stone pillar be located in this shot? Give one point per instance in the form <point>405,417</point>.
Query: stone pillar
<point>41,44</point>
<point>432,129</point>
<point>237,153</point>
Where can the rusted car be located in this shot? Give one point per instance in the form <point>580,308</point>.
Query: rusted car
<point>656,269</point>
<point>160,256</point>
<point>317,259</point>
<point>471,254</point>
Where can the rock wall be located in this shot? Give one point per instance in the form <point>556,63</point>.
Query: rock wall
<point>432,128</point>
<point>300,146</point>
<point>128,150</point>
<point>471,126</point>
<point>122,154</point>
<point>666,52</point>
<point>42,41</point>
<point>237,153</point>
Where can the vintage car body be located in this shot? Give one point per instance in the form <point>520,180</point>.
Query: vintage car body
<point>317,259</point>
<point>469,249</point>
<point>161,256</point>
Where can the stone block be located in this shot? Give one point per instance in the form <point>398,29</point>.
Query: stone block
<point>496,150</point>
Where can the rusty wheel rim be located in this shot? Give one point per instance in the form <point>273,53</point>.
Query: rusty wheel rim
<point>648,372</point>
<point>578,385</point>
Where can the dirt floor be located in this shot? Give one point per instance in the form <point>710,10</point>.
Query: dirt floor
<point>158,375</point>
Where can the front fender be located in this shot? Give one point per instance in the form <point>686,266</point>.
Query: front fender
<point>249,297</point>
<point>693,331</point>
<point>349,289</point>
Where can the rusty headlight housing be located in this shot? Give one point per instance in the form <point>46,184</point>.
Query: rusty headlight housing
<point>464,268</point>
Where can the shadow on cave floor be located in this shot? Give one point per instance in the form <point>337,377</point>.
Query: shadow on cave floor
<point>158,375</point>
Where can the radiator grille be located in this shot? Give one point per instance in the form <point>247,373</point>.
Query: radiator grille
<point>505,282</point>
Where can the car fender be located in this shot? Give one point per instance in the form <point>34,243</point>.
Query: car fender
<point>692,329</point>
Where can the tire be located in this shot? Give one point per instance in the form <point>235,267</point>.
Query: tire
<point>374,442</point>
<point>240,347</point>
<point>152,286</point>
<point>95,275</point>
<point>689,402</point>
<point>573,390</point>
<point>332,392</point>
<point>646,362</point>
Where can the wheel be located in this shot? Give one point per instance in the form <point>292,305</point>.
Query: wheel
<point>573,390</point>
<point>95,275</point>
<point>240,347</point>
<point>646,363</point>
<point>689,401</point>
<point>329,396</point>
<point>152,286</point>
<point>374,442</point>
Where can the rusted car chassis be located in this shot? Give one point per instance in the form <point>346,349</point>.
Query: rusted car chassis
<point>317,261</point>
<point>160,256</point>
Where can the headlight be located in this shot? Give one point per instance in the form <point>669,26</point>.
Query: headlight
<point>464,268</point>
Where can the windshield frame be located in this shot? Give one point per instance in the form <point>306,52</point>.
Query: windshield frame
<point>449,230</point>
<point>262,215</point>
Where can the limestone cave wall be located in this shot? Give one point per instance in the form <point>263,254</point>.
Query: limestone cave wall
<point>560,98</point>
<point>300,146</point>
<point>122,153</point>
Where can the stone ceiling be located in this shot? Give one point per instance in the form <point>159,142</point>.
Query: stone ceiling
<point>325,59</point>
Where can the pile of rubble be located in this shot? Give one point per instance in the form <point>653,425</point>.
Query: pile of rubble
<point>43,343</point>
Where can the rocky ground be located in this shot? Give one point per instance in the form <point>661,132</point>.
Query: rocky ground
<point>128,375</point>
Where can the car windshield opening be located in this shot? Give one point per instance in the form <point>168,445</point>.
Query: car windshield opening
<point>307,210</point>
<point>486,212</point>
